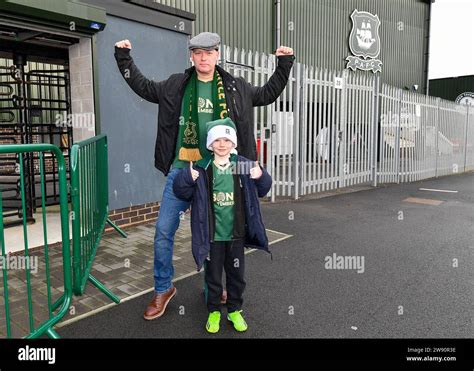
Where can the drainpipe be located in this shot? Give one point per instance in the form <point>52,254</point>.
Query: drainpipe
<point>427,85</point>
<point>277,24</point>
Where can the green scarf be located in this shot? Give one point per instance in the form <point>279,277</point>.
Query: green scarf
<point>189,146</point>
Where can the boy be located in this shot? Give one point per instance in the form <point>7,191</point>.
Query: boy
<point>225,217</point>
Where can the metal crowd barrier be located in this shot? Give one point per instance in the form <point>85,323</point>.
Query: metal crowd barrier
<point>46,326</point>
<point>89,214</point>
<point>89,197</point>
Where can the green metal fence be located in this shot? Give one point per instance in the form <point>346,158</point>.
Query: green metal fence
<point>46,327</point>
<point>89,197</point>
<point>89,214</point>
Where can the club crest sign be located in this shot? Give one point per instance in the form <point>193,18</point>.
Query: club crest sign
<point>364,42</point>
<point>465,98</point>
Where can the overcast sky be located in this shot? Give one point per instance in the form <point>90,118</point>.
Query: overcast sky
<point>452,39</point>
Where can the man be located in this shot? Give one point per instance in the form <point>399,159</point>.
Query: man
<point>188,100</point>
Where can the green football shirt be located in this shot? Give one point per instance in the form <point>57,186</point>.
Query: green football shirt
<point>223,202</point>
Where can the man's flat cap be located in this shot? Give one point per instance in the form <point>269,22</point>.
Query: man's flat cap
<point>205,40</point>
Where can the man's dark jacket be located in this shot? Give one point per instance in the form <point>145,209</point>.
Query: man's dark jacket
<point>248,221</point>
<point>241,97</point>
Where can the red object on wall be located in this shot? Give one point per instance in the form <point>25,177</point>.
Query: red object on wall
<point>264,151</point>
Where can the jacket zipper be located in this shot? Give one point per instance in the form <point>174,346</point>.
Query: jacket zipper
<point>235,107</point>
<point>230,89</point>
<point>211,216</point>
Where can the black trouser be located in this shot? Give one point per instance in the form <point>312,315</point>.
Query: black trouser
<point>230,256</point>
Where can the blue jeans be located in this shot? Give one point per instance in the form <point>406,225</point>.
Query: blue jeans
<point>168,222</point>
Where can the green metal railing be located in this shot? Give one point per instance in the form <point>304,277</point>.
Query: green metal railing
<point>46,327</point>
<point>89,197</point>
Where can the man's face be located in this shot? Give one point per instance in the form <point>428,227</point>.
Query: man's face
<point>204,60</point>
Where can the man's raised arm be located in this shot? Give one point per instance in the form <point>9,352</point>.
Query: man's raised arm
<point>268,93</point>
<point>145,88</point>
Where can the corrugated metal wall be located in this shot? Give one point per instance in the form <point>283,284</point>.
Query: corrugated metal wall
<point>321,31</point>
<point>318,31</point>
<point>244,24</point>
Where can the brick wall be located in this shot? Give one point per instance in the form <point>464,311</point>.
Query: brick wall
<point>133,215</point>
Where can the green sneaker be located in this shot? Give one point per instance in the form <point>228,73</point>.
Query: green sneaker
<point>237,320</point>
<point>213,322</point>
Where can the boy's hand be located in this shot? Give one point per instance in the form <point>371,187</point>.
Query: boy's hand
<point>124,44</point>
<point>194,173</point>
<point>256,172</point>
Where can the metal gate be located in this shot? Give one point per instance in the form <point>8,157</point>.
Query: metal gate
<point>422,136</point>
<point>320,134</point>
<point>34,107</point>
<point>335,129</point>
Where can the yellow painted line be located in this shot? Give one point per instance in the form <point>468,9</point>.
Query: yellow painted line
<point>423,201</point>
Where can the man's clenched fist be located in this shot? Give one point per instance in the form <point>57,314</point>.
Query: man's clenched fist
<point>284,50</point>
<point>124,44</point>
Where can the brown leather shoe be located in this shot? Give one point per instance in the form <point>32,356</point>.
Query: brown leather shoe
<point>158,304</point>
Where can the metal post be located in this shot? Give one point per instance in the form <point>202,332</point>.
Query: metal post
<point>397,141</point>
<point>296,130</point>
<point>466,134</point>
<point>342,130</point>
<point>375,128</point>
<point>5,273</point>
<point>437,136</point>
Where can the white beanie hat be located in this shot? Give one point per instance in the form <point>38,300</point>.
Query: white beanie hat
<point>223,128</point>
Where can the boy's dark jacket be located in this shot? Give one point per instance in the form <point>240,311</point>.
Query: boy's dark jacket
<point>246,205</point>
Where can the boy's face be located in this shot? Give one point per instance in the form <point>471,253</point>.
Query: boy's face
<point>222,146</point>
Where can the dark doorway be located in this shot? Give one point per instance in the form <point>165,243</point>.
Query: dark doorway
<point>34,106</point>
